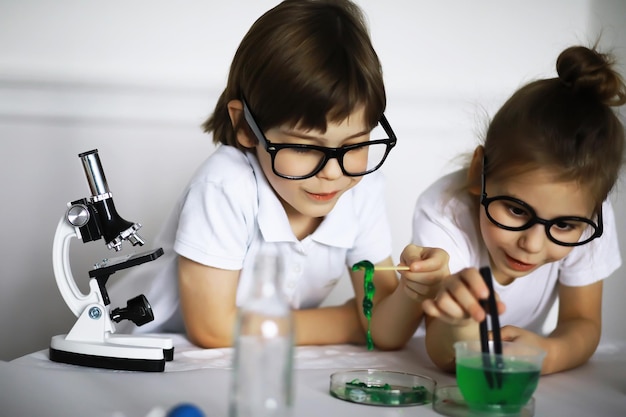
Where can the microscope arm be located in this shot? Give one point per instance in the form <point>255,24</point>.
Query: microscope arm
<point>73,297</point>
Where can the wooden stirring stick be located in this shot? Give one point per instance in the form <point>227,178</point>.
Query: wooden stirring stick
<point>391,268</point>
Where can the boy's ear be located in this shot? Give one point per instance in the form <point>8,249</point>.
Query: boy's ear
<point>244,135</point>
<point>475,171</point>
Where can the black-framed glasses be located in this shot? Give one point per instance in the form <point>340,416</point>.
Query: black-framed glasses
<point>295,161</point>
<point>510,213</point>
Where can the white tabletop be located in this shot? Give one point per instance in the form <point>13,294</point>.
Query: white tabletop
<point>34,386</point>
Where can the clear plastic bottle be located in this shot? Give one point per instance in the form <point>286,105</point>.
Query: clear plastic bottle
<point>261,384</point>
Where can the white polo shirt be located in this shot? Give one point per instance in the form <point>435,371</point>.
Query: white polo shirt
<point>229,212</point>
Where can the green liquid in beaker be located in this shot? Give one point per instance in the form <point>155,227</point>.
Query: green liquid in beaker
<point>518,381</point>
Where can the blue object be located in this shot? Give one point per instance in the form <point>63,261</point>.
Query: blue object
<point>185,410</point>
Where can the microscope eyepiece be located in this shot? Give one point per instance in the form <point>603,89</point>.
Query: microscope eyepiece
<point>95,175</point>
<point>112,227</point>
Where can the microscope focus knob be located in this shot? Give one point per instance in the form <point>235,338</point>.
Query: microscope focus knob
<point>78,215</point>
<point>138,310</point>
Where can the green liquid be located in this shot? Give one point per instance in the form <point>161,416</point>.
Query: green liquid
<point>385,394</point>
<point>518,382</point>
<point>368,299</point>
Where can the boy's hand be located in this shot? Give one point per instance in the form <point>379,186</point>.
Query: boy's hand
<point>428,267</point>
<point>458,300</point>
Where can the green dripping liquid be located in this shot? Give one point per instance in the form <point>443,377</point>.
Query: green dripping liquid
<point>368,299</point>
<point>519,381</point>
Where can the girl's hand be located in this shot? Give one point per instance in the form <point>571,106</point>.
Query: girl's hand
<point>518,334</point>
<point>458,300</point>
<point>428,267</point>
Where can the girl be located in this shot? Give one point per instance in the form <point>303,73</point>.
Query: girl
<point>533,206</point>
<point>295,168</point>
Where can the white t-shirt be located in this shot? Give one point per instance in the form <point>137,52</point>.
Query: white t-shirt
<point>445,219</point>
<point>228,212</point>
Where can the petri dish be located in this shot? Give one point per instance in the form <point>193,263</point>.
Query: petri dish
<point>449,401</point>
<point>382,388</point>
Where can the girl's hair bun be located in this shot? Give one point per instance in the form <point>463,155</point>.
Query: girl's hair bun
<point>590,72</point>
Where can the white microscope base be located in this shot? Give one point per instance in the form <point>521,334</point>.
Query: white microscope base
<point>144,340</point>
<point>107,355</point>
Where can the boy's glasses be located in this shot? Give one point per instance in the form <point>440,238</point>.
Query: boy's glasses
<point>510,213</point>
<point>299,161</point>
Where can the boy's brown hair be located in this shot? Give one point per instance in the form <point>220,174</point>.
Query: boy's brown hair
<point>304,62</point>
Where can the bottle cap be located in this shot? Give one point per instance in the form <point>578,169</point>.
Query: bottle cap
<point>185,410</point>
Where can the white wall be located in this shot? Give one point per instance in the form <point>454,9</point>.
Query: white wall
<point>135,79</point>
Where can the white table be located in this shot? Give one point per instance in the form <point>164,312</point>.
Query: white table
<point>33,386</point>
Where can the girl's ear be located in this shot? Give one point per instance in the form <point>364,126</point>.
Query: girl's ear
<point>244,136</point>
<point>475,171</point>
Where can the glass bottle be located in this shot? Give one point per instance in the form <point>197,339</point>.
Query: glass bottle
<point>261,384</point>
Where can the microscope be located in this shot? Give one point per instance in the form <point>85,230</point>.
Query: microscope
<point>92,341</point>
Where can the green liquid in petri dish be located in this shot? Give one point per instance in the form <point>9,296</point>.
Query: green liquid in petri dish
<point>385,394</point>
<point>368,299</point>
<point>519,381</point>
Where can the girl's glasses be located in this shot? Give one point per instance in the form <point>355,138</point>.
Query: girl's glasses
<point>510,213</point>
<point>298,161</point>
